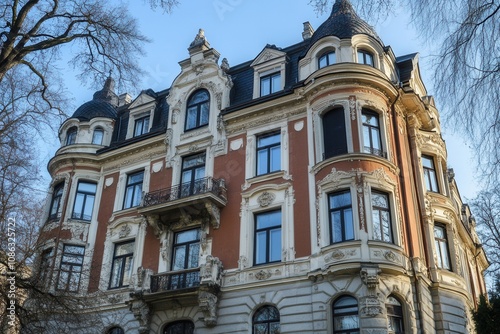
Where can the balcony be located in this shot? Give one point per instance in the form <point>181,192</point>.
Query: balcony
<point>189,287</point>
<point>201,198</point>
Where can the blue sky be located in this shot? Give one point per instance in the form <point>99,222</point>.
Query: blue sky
<point>239,30</point>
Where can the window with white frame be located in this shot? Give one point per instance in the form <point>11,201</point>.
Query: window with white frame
<point>395,319</point>
<point>381,217</point>
<point>185,256</point>
<point>84,200</point>
<point>71,135</point>
<point>430,175</point>
<point>193,174</point>
<point>267,248</point>
<point>345,315</point>
<point>441,245</point>
<point>268,153</point>
<point>98,136</point>
<point>70,269</point>
<point>372,140</point>
<point>122,263</point>
<point>141,125</point>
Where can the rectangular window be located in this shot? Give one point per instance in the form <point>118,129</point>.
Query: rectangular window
<point>268,153</point>
<point>185,255</point>
<point>268,237</point>
<point>84,201</point>
<point>141,126</point>
<point>45,266</point>
<point>71,268</point>
<point>441,244</point>
<point>371,133</point>
<point>121,268</point>
<point>365,57</point>
<point>193,174</point>
<point>270,84</point>
<point>56,200</point>
<point>133,191</point>
<point>341,222</point>
<point>430,175</point>
<point>381,216</point>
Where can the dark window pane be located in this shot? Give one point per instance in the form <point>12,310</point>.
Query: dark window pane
<point>334,133</point>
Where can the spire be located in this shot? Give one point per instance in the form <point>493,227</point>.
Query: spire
<point>107,93</point>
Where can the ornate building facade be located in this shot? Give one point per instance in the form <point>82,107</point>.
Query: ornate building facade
<point>303,191</point>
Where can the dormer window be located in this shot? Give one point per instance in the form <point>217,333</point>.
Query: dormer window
<point>365,57</point>
<point>327,59</point>
<point>270,84</point>
<point>141,126</point>
<point>198,110</point>
<point>71,135</point>
<point>98,136</point>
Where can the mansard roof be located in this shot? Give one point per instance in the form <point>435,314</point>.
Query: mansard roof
<point>103,104</point>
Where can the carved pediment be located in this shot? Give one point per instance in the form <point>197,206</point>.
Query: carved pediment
<point>267,54</point>
<point>142,99</point>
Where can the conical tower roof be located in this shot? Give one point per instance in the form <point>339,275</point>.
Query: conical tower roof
<point>343,22</point>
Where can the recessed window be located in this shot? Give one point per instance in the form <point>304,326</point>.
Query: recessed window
<point>179,327</point>
<point>441,244</point>
<point>98,136</point>
<point>394,316</point>
<point>121,268</point>
<point>141,126</point>
<point>341,222</point>
<point>334,133</point>
<point>326,59</point>
<point>133,190</point>
<point>84,200</point>
<point>268,153</point>
<point>193,174</point>
<point>45,266</point>
<point>365,57</point>
<point>266,321</point>
<point>198,110</point>
<point>430,173</point>
<point>381,217</point>
<point>71,135</point>
<point>71,268</point>
<point>372,142</point>
<point>270,84</point>
<point>345,315</point>
<point>56,200</point>
<point>185,255</point>
<point>268,237</point>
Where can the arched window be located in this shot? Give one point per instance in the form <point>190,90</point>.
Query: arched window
<point>198,110</point>
<point>345,315</point>
<point>372,140</point>
<point>71,135</point>
<point>115,330</point>
<point>56,200</point>
<point>98,136</point>
<point>326,59</point>
<point>365,57</point>
<point>394,316</point>
<point>334,133</point>
<point>179,327</point>
<point>266,320</point>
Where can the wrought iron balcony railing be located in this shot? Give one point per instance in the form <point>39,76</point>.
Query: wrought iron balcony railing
<point>183,190</point>
<point>175,280</point>
<point>375,151</point>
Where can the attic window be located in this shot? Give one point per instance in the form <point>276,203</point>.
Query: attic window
<point>270,84</point>
<point>141,126</point>
<point>328,58</point>
<point>71,135</point>
<point>198,110</point>
<point>365,57</point>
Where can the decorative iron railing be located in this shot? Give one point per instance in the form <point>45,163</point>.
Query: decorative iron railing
<point>375,151</point>
<point>183,190</point>
<point>175,280</point>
